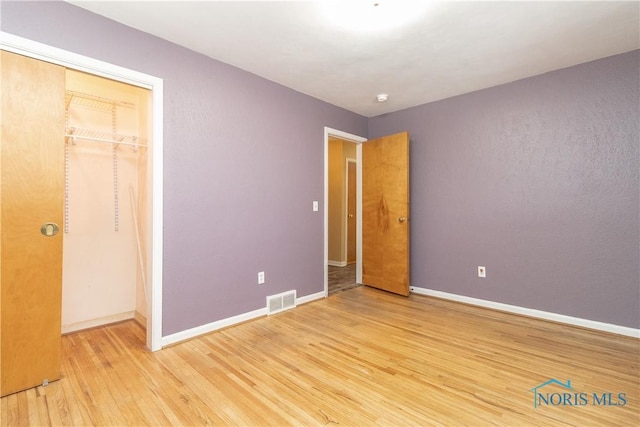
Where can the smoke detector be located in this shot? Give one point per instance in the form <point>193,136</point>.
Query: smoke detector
<point>382,97</point>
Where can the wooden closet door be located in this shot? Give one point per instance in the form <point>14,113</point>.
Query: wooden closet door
<point>32,194</point>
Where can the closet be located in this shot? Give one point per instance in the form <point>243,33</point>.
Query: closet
<point>75,217</point>
<point>105,188</point>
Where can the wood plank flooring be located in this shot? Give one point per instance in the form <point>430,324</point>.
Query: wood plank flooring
<point>362,357</point>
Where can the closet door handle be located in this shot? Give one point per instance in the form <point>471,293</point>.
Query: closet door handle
<point>49,229</point>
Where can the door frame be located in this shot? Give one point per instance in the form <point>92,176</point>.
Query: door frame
<point>43,52</point>
<point>358,140</point>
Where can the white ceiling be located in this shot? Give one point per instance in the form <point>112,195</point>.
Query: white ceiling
<point>443,49</point>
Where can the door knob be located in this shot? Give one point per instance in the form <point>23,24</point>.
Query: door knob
<point>49,229</point>
<point>402,219</point>
<point>350,216</point>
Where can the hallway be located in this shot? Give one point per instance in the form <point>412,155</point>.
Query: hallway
<point>342,278</point>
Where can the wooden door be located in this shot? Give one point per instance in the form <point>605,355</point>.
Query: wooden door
<point>351,212</point>
<point>385,213</point>
<point>32,192</point>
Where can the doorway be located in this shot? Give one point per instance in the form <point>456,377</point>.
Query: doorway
<point>154,174</point>
<point>342,220</point>
<point>342,153</point>
<point>384,176</point>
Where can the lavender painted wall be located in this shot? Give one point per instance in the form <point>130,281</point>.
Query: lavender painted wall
<point>243,160</point>
<point>538,181</point>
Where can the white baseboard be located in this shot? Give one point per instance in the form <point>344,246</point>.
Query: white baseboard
<point>337,263</point>
<point>229,321</point>
<point>309,298</point>
<point>213,326</point>
<point>101,321</point>
<point>555,317</point>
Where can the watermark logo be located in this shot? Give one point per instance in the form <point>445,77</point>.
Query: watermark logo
<point>557,393</point>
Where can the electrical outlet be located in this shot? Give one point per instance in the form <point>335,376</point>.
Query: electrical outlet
<point>482,271</point>
<point>260,277</point>
<point>315,206</point>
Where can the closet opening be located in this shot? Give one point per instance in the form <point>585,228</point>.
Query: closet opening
<point>152,212</point>
<point>107,208</point>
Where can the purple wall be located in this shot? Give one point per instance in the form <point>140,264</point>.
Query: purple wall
<point>538,181</point>
<point>243,160</point>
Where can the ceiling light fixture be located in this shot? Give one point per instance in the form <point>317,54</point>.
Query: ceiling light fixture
<point>382,97</point>
<point>368,15</point>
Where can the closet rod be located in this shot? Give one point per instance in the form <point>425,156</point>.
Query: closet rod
<point>108,141</point>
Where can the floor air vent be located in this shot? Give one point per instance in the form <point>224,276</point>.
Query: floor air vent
<point>281,302</point>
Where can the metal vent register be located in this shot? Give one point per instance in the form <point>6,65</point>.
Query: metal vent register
<point>281,302</point>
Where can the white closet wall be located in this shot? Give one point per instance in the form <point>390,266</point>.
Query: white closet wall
<point>102,280</point>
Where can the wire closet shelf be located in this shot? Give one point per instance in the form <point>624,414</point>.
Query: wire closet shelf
<point>94,102</point>
<point>73,133</point>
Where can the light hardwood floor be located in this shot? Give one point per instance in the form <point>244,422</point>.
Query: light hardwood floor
<point>362,357</point>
